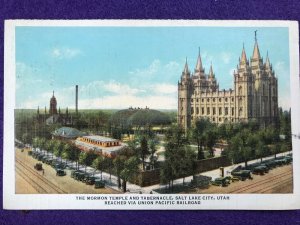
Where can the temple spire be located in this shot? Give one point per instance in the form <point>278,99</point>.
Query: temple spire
<point>211,72</point>
<point>268,64</point>
<point>256,53</point>
<point>53,93</point>
<point>186,67</point>
<point>199,63</point>
<point>243,57</point>
<point>185,72</point>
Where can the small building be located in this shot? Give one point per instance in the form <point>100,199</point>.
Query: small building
<point>105,146</point>
<point>67,133</point>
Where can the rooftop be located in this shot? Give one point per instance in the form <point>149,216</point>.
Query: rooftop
<point>100,138</point>
<point>67,132</point>
<point>110,151</point>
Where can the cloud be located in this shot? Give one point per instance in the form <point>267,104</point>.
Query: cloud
<point>64,53</point>
<point>231,72</point>
<point>280,67</point>
<point>155,72</point>
<point>165,88</point>
<point>26,75</point>
<point>118,96</point>
<point>119,88</point>
<point>96,88</point>
<point>125,101</point>
<point>111,95</point>
<point>152,86</point>
<point>226,57</point>
<point>206,59</point>
<point>148,71</point>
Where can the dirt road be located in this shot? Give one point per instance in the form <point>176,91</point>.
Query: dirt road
<point>31,181</point>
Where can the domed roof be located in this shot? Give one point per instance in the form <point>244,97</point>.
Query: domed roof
<point>68,132</point>
<point>140,117</point>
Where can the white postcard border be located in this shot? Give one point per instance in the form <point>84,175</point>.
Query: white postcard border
<point>70,201</point>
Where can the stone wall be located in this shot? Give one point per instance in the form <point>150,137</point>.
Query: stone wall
<point>211,164</point>
<point>148,178</point>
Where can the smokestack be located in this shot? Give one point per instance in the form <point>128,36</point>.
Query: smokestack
<point>76,100</point>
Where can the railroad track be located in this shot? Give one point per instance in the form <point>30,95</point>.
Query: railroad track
<point>31,172</point>
<point>32,182</point>
<point>269,180</point>
<point>266,189</point>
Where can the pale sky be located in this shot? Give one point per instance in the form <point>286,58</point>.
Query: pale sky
<point>119,67</point>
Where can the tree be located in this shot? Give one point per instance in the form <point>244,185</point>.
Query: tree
<point>41,144</point>
<point>198,135</point>
<point>246,153</point>
<point>26,138</point>
<point>284,147</point>
<point>234,148</point>
<point>275,149</point>
<point>108,163</point>
<point>67,151</point>
<point>74,154</point>
<point>166,172</point>
<point>253,125</point>
<point>270,136</point>
<point>119,162</point>
<point>35,143</point>
<point>132,148</point>
<point>87,158</point>
<point>50,146</point>
<point>187,163</point>
<point>58,149</point>
<point>116,133</point>
<point>252,142</point>
<point>152,150</point>
<point>129,171</point>
<point>285,123</point>
<point>144,150</point>
<point>98,164</point>
<point>260,151</point>
<point>211,139</point>
<point>174,154</point>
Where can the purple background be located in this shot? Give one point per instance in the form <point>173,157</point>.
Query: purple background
<point>138,9</point>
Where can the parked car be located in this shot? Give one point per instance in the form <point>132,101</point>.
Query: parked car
<point>90,180</point>
<point>49,161</point>
<point>73,173</point>
<point>242,174</point>
<point>270,164</point>
<point>60,172</point>
<point>258,170</point>
<point>221,181</point>
<point>79,175</point>
<point>38,166</point>
<point>99,183</point>
<point>40,157</point>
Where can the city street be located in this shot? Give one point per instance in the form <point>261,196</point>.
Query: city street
<point>29,180</point>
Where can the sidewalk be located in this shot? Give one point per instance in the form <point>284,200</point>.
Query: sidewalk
<point>112,181</point>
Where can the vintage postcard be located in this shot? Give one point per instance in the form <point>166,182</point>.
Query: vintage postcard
<point>151,114</point>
